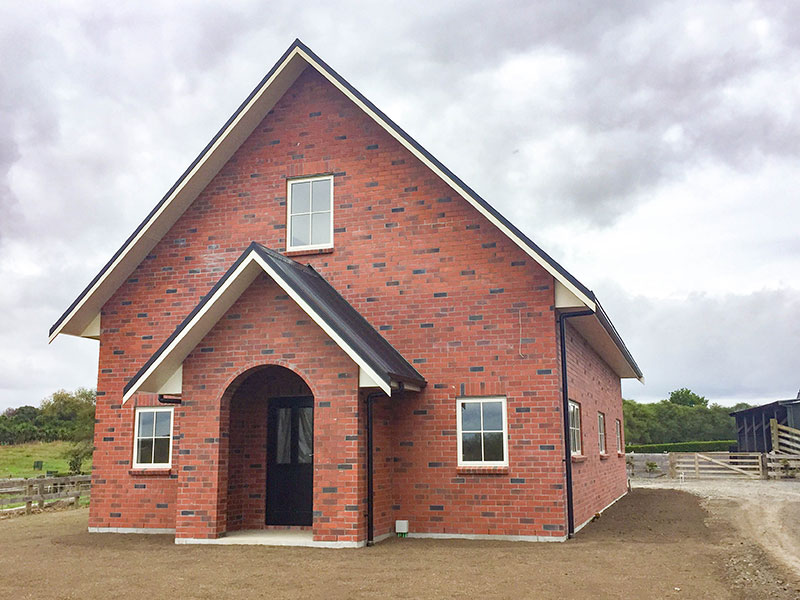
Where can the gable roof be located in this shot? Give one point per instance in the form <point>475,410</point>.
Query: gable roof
<point>80,315</point>
<point>381,362</point>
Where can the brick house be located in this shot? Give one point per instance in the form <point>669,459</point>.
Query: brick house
<point>320,330</point>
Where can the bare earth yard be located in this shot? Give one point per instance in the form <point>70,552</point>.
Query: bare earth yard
<point>654,543</point>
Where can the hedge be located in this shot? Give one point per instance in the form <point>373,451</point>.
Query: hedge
<point>715,446</point>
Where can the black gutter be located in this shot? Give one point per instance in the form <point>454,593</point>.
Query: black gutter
<point>562,318</point>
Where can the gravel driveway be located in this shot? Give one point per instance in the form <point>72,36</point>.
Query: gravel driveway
<point>767,512</point>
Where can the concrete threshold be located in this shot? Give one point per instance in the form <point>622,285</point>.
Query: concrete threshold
<point>261,537</point>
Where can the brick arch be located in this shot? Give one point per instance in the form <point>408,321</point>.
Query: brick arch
<point>236,379</point>
<point>247,397</point>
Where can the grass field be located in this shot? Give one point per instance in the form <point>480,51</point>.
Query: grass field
<point>17,461</point>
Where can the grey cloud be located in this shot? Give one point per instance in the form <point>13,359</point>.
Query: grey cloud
<point>729,348</point>
<point>103,105</point>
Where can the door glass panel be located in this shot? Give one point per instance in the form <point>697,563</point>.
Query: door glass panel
<point>305,435</point>
<point>283,432</point>
<point>301,197</point>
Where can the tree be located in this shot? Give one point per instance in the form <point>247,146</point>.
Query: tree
<point>686,397</point>
<point>684,417</point>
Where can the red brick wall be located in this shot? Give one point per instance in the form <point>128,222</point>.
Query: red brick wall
<point>468,307</point>
<point>383,442</point>
<point>597,481</point>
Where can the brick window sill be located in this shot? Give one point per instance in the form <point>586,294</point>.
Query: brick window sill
<point>482,470</point>
<point>309,252</point>
<point>605,456</point>
<point>151,472</point>
<point>578,458</point>
<point>620,454</point>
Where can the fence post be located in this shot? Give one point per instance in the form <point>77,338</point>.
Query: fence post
<point>776,440</point>
<point>696,466</point>
<point>41,496</point>
<point>28,493</point>
<point>764,465</point>
<point>673,469</point>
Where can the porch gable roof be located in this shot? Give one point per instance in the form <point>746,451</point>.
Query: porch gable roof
<point>375,356</point>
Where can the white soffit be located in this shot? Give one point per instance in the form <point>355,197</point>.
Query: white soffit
<point>595,334</point>
<point>263,99</point>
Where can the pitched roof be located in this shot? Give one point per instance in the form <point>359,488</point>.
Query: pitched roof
<point>82,312</point>
<point>344,324</point>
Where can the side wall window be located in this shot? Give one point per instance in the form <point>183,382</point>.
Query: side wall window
<point>310,213</point>
<point>152,437</point>
<point>620,449</point>
<point>575,427</point>
<point>482,431</point>
<point>601,432</point>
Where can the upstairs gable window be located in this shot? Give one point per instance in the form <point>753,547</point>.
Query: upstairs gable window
<point>310,214</point>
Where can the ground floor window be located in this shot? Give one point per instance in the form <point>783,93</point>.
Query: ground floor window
<point>482,431</point>
<point>152,436</point>
<point>601,432</point>
<point>575,427</point>
<point>619,436</point>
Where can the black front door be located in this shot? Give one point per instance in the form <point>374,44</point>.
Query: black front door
<point>290,461</point>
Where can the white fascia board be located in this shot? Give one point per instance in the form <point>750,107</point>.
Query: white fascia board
<point>354,356</point>
<point>163,370</point>
<point>449,181</point>
<point>186,192</point>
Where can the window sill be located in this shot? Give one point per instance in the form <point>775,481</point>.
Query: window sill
<point>578,458</point>
<point>154,472</point>
<point>620,454</point>
<point>604,456</point>
<point>476,470</point>
<point>308,251</point>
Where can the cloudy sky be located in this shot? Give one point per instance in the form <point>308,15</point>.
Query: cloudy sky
<point>652,148</point>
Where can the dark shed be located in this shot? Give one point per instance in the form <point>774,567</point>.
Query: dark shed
<point>752,424</point>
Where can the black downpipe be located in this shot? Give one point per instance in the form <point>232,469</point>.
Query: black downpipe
<point>562,318</point>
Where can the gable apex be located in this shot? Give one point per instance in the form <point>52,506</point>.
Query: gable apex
<point>219,150</point>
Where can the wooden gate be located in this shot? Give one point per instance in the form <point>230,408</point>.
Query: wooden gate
<point>716,465</point>
<point>785,439</point>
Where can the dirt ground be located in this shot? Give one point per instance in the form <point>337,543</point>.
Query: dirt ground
<point>654,543</point>
<point>764,512</point>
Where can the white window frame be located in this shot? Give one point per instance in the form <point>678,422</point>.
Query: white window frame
<point>620,449</point>
<point>601,433</point>
<point>573,450</point>
<point>171,411</point>
<point>479,400</point>
<point>289,183</point>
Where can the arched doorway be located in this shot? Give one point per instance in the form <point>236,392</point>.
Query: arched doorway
<point>271,450</point>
